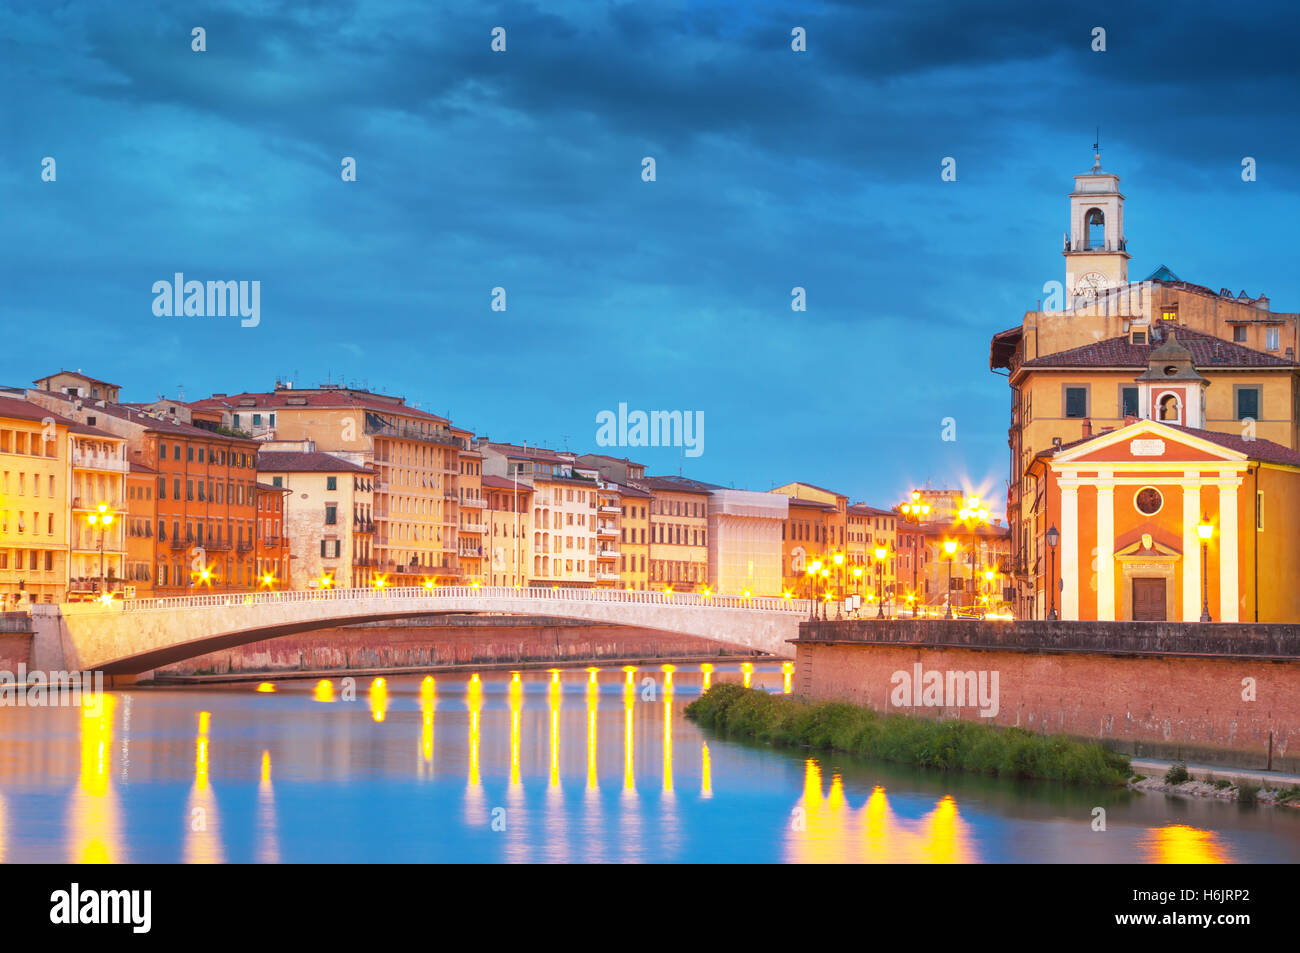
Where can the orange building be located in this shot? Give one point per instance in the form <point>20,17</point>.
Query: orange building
<point>1159,521</point>
<point>271,561</point>
<point>507,547</point>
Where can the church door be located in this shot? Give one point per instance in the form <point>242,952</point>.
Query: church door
<point>1148,600</point>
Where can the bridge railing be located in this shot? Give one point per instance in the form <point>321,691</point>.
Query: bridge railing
<point>540,594</point>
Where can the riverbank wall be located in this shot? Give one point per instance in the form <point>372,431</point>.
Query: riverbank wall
<point>1225,694</point>
<point>441,641</point>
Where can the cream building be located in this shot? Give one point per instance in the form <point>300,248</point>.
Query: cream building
<point>745,541</point>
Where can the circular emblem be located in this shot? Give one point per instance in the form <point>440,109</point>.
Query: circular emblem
<point>1148,501</point>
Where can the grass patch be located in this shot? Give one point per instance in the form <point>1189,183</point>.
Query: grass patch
<point>731,709</point>
<point>1247,792</point>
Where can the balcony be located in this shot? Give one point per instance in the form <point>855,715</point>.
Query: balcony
<point>476,503</point>
<point>87,504</point>
<point>244,546</point>
<point>99,461</point>
<point>218,546</point>
<point>613,510</point>
<point>363,526</point>
<point>381,428</point>
<point>607,554</point>
<point>606,531</point>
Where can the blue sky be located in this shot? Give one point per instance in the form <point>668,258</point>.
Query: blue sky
<point>522,169</point>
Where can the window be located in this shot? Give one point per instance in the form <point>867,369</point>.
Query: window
<point>1247,403</point>
<point>1076,402</point>
<point>279,481</point>
<point>329,548</point>
<point>1259,509</point>
<point>1271,339</point>
<point>1095,221</point>
<point>1139,336</point>
<point>1128,401</point>
<point>331,483</point>
<point>1148,501</point>
<point>331,514</point>
<point>1169,314</point>
<point>1239,334</point>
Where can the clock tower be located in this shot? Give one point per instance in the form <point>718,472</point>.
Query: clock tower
<point>1096,255</point>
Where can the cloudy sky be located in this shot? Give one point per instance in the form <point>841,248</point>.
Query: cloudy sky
<point>522,170</point>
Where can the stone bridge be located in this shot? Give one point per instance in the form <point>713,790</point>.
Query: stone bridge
<point>138,635</point>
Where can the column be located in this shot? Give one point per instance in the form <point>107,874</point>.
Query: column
<point>1069,551</point>
<point>1229,554</point>
<point>1105,548</point>
<point>1191,548</point>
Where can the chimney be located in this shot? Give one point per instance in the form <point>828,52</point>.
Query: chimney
<point>1129,419</point>
<point>1087,428</point>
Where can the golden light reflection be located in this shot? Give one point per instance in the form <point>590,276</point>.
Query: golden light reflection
<point>825,828</point>
<point>266,687</point>
<point>516,696</point>
<point>553,695</point>
<point>268,843</point>
<point>706,671</point>
<point>593,704</point>
<point>787,680</point>
<point>428,703</point>
<point>1180,844</point>
<point>747,670</point>
<point>203,833</point>
<point>94,813</point>
<point>668,677</point>
<point>324,691</point>
<point>378,699</point>
<point>629,763</point>
<point>474,699</point>
<point>706,772</point>
<point>668,739</point>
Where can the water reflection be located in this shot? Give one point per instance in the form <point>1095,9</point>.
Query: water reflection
<point>535,766</point>
<point>268,846</point>
<point>94,815</point>
<point>825,828</point>
<point>203,829</point>
<point>1180,844</point>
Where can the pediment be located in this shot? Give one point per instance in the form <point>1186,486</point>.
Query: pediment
<point>1147,442</point>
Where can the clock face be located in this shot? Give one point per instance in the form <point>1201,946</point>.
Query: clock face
<point>1091,284</point>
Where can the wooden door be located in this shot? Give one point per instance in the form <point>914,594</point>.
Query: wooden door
<point>1149,600</point>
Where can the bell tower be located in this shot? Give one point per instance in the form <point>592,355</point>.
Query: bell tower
<point>1170,389</point>
<point>1096,254</point>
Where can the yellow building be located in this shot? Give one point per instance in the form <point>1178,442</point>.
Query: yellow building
<point>679,533</point>
<point>634,537</point>
<point>609,532</point>
<point>471,542</point>
<point>508,546</point>
<point>1073,365</point>
<point>35,468</point>
<point>328,516</point>
<point>100,467</point>
<point>415,456</point>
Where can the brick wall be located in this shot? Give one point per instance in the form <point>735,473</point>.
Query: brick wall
<point>448,642</point>
<point>1170,690</point>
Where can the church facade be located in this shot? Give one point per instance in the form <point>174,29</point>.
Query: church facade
<point>1209,378</point>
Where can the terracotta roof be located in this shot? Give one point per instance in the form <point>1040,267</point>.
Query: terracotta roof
<point>627,489</point>
<point>141,468</point>
<point>149,423</point>
<point>504,483</point>
<point>1207,352</point>
<point>362,400</point>
<point>677,484</point>
<point>314,461</point>
<point>862,509</point>
<point>815,504</point>
<point>25,410</point>
<point>84,377</point>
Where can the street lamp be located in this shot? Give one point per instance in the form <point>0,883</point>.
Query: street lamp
<point>881,553</point>
<point>811,573</point>
<point>102,519</point>
<point>914,512</point>
<point>1205,530</point>
<point>949,547</point>
<point>988,577</point>
<point>857,582</point>
<point>1053,537</point>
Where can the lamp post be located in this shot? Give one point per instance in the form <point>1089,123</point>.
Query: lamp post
<point>826,597</point>
<point>988,578</point>
<point>838,559</point>
<point>1205,530</point>
<point>949,547</point>
<point>811,573</point>
<point>857,583</point>
<point>881,553</point>
<point>1053,537</point>
<point>913,512</point>
<point>102,519</point>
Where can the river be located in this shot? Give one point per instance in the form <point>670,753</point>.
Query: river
<point>572,765</point>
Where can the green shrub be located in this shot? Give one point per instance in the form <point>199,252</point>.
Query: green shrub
<point>1247,792</point>
<point>731,709</point>
<point>1177,774</point>
<point>1222,783</point>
